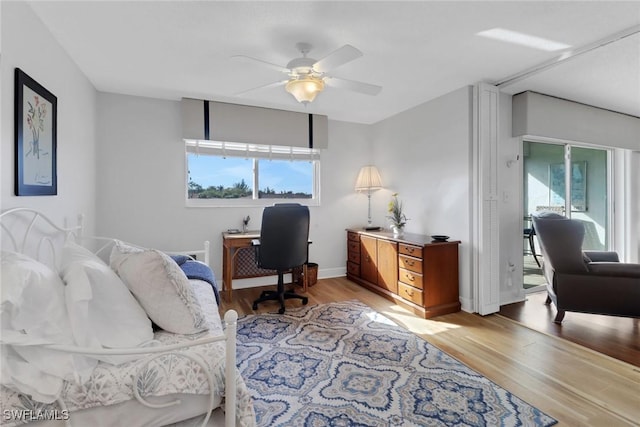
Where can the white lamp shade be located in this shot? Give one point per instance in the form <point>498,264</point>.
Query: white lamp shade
<point>305,89</point>
<point>368,179</point>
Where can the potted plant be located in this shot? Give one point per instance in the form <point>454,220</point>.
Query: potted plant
<point>396,216</point>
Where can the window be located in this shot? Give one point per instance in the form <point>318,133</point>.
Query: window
<point>236,174</point>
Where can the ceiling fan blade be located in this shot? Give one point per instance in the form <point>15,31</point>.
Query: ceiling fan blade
<point>269,85</point>
<point>337,58</point>
<point>366,88</point>
<point>249,59</point>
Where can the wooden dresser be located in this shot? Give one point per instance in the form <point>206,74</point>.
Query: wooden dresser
<point>410,270</point>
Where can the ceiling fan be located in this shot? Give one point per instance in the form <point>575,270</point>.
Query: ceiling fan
<point>308,76</point>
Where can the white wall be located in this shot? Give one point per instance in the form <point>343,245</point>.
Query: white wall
<point>424,155</point>
<point>28,45</point>
<point>141,186</point>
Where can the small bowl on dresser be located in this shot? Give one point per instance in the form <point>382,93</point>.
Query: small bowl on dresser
<point>439,238</point>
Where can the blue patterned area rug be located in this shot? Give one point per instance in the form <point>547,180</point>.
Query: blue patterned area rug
<point>343,364</point>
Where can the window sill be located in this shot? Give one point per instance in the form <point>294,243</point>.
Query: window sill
<point>245,203</point>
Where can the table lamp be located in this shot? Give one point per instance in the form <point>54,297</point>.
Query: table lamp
<point>369,180</point>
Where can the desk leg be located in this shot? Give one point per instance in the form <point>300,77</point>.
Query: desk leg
<point>227,272</point>
<point>305,277</point>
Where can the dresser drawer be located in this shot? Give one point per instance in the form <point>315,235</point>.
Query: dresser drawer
<point>405,249</point>
<point>410,278</point>
<point>353,237</point>
<point>354,257</point>
<point>410,263</point>
<point>410,293</point>
<point>353,247</point>
<point>353,268</point>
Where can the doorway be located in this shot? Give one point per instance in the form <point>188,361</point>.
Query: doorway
<point>550,172</point>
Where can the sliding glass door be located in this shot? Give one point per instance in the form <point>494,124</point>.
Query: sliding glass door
<point>551,171</point>
<point>590,195</point>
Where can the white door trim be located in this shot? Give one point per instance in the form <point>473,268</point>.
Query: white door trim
<point>484,225</point>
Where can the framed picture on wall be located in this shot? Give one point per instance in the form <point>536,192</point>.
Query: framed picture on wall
<point>35,138</point>
<point>578,185</point>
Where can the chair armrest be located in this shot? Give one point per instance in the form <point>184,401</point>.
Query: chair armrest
<point>617,269</point>
<point>602,256</point>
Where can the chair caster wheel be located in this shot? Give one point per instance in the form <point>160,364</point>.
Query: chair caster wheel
<point>255,306</point>
<point>281,311</point>
<point>305,301</point>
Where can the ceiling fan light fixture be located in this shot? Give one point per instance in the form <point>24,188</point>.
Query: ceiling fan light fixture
<point>304,89</point>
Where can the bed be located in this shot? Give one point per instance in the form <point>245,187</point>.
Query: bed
<point>179,374</point>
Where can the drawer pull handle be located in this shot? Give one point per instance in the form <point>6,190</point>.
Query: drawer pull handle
<point>410,293</point>
<point>410,277</point>
<point>410,263</point>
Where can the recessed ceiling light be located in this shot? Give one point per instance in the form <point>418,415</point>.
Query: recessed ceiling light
<point>522,39</point>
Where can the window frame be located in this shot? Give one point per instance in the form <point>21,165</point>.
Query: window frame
<point>315,159</point>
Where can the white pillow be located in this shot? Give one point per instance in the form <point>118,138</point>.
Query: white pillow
<point>161,287</point>
<point>102,311</point>
<point>33,311</point>
<point>33,299</point>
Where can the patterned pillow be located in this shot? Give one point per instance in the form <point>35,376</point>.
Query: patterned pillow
<point>160,286</point>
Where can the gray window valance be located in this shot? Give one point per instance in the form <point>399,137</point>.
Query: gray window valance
<point>220,121</point>
<point>535,114</point>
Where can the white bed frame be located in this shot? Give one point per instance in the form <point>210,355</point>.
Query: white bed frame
<point>32,233</point>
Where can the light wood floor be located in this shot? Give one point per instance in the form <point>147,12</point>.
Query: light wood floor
<point>575,385</point>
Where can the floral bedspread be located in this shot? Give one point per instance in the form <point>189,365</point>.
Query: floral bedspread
<point>110,384</point>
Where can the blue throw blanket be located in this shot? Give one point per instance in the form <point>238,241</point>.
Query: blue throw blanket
<point>197,270</point>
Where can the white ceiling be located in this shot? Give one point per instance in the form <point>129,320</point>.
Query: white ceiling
<point>416,50</point>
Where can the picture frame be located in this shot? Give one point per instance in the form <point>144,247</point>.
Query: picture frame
<point>578,185</point>
<point>36,119</point>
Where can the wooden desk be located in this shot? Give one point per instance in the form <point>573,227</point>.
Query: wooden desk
<point>231,244</point>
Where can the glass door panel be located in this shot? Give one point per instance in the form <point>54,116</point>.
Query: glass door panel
<point>589,195</point>
<point>544,187</point>
<point>542,191</point>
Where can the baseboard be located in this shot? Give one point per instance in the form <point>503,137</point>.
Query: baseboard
<point>254,282</point>
<point>327,273</point>
<point>466,305</point>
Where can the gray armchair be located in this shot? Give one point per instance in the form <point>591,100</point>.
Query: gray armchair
<point>589,282</point>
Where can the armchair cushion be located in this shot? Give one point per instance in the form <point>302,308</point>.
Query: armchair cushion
<point>602,256</point>
<point>616,269</point>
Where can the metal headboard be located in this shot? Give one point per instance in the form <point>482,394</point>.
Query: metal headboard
<point>28,231</point>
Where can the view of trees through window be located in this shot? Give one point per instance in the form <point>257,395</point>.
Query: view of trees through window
<point>217,177</point>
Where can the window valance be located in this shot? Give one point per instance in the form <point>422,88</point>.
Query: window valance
<point>219,121</point>
<point>536,114</point>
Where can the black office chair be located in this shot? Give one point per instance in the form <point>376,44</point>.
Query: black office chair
<point>284,238</point>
